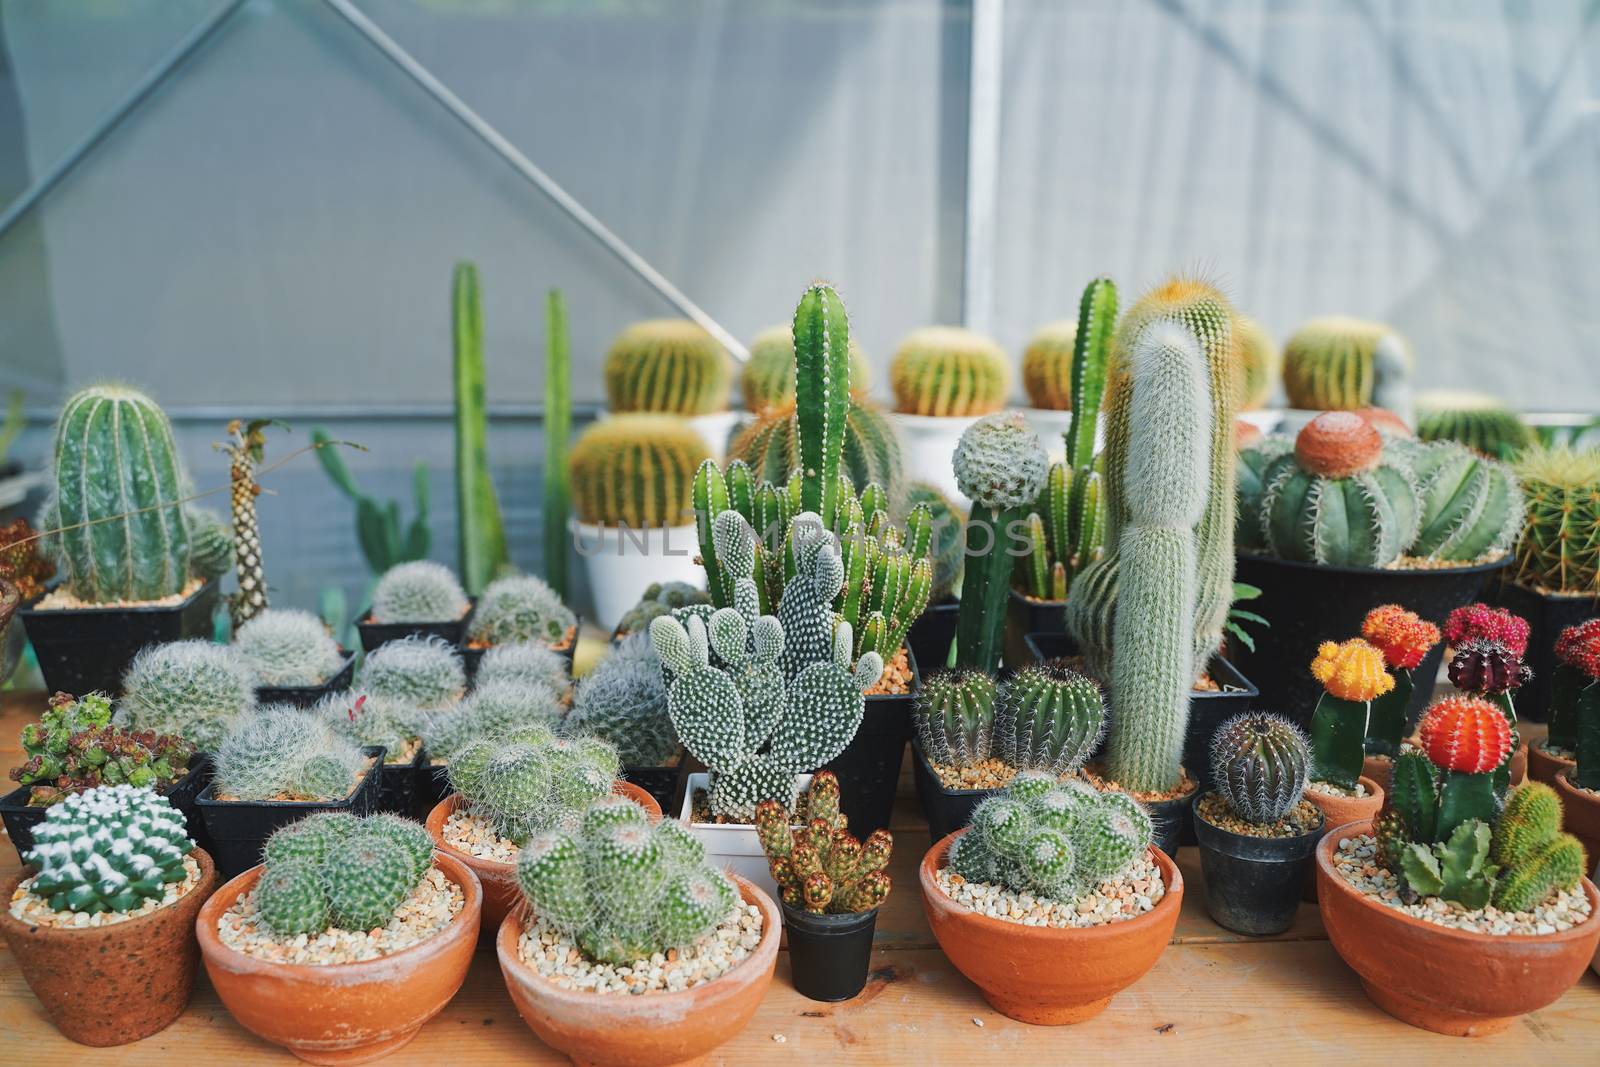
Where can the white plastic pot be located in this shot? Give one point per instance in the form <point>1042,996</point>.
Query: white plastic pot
<point>1051,426</point>
<point>928,442</point>
<point>1264,419</point>
<point>621,564</point>
<point>717,429</point>
<point>733,846</point>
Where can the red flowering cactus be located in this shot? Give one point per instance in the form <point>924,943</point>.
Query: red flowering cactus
<point>1487,669</point>
<point>1402,636</point>
<point>1579,647</point>
<point>1488,624</point>
<point>1466,734</point>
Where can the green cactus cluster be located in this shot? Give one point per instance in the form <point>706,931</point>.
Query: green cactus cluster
<point>624,701</point>
<point>493,708</point>
<point>337,870</point>
<point>623,889</point>
<point>287,647</point>
<point>636,471</point>
<point>949,371</point>
<point>869,452</point>
<point>108,849</point>
<point>74,747</point>
<point>418,591</point>
<point>1045,718</point>
<point>193,689</point>
<point>527,779</point>
<point>818,865</point>
<point>954,718</point>
<point>520,607</point>
<point>671,366</point>
<point>659,598</point>
<point>946,522</point>
<point>1476,420</point>
<point>281,752</point>
<point>1534,856</point>
<point>1054,840</point>
<point>524,663</point>
<point>767,380</point>
<point>424,672</point>
<point>1259,766</point>
<point>1344,364</point>
<point>1559,547</point>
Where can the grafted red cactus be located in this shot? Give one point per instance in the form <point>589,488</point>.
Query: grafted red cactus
<point>1466,734</point>
<point>1402,636</point>
<point>1491,624</point>
<point>1579,647</point>
<point>1337,444</point>
<point>1487,669</point>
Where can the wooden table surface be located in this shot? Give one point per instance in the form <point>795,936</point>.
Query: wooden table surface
<point>1212,997</point>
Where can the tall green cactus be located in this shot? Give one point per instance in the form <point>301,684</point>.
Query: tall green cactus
<point>822,395</point>
<point>482,535</point>
<point>117,468</point>
<point>557,428</point>
<point>1169,481</point>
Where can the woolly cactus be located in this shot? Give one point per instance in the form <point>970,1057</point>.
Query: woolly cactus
<point>635,471</point>
<point>210,543</point>
<point>520,607</point>
<point>527,781</point>
<point>194,689</point>
<point>1260,364</point>
<point>869,454</point>
<point>1341,364</point>
<point>424,672</point>
<point>1260,764</point>
<point>288,647</point>
<point>1476,420</point>
<point>949,371</point>
<point>1559,548</point>
<point>365,719</point>
<point>667,365</point>
<point>1048,718</point>
<point>108,850</point>
<point>418,591</point>
<point>621,888</point>
<point>819,866</point>
<point>1352,676</point>
<point>768,377</point>
<point>660,598</point>
<point>493,708</point>
<point>954,718</point>
<point>1169,487</point>
<point>624,701</point>
<point>337,870</point>
<point>1047,365</point>
<point>525,663</point>
<point>280,752</point>
<point>1471,505</point>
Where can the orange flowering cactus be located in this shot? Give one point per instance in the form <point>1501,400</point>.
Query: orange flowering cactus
<point>1405,639</point>
<point>1352,670</point>
<point>1352,675</point>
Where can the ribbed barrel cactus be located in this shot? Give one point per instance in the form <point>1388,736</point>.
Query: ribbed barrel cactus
<point>1260,765</point>
<point>624,701</point>
<point>1477,420</point>
<point>289,647</point>
<point>281,752</point>
<point>194,689</point>
<point>108,850</point>
<point>1048,718</point>
<point>1341,364</point>
<point>636,471</point>
<point>954,718</point>
<point>1559,548</point>
<point>520,607</point>
<point>424,672</point>
<point>667,365</point>
<point>768,377</point>
<point>947,370</point>
<point>1047,365</point>
<point>1260,363</point>
<point>418,591</point>
<point>1472,506</point>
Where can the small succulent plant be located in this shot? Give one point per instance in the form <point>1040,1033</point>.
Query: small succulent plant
<point>336,870</point>
<point>286,647</point>
<point>108,850</point>
<point>424,672</point>
<point>819,866</point>
<point>624,701</point>
<point>417,592</point>
<point>1260,764</point>
<point>517,608</point>
<point>493,709</point>
<point>364,720</point>
<point>284,752</point>
<point>73,747</point>
<point>193,689</point>
<point>660,598</point>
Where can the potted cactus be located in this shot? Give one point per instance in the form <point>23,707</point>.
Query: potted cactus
<point>1577,658</point>
<point>944,379</point>
<point>1490,897</point>
<point>1353,679</point>
<point>1579,721</point>
<point>133,567</point>
<point>422,672</point>
<point>419,598</point>
<point>1260,368</point>
<point>498,705</point>
<point>111,955</point>
<point>1053,900</point>
<point>1406,640</point>
<point>623,701</point>
<point>275,765</point>
<point>518,608</point>
<point>295,658</point>
<point>351,934</point>
<point>631,480</point>
<point>1478,420</point>
<point>630,947</point>
<point>1339,363</point>
<point>672,367</point>
<point>369,721</point>
<point>1256,831</point>
<point>830,887</point>
<point>193,689</point>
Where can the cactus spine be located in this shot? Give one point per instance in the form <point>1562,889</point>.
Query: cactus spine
<point>636,471</point>
<point>954,718</point>
<point>483,537</point>
<point>557,429</point>
<point>1559,549</point>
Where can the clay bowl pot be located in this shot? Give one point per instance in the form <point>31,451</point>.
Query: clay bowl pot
<point>1044,975</point>
<point>1580,814</point>
<point>1379,769</point>
<point>1543,767</point>
<point>344,1012</point>
<point>109,985</point>
<point>1449,981</point>
<point>652,1030</point>
<point>1337,811</point>
<point>500,892</point>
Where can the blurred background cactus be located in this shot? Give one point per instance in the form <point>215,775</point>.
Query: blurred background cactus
<point>1472,506</point>
<point>479,530</point>
<point>869,454</point>
<point>493,708</point>
<point>194,689</point>
<point>557,430</point>
<point>365,720</point>
<point>658,599</point>
<point>672,366</point>
<point>767,380</point>
<point>1342,364</point>
<point>1558,550</point>
<point>418,591</point>
<point>1047,365</point>
<point>636,471</point>
<point>280,752</point>
<point>818,865</point>
<point>286,647</point>
<point>525,663</point>
<point>521,607</point>
<point>1260,364</point>
<point>949,371</point>
<point>108,850</point>
<point>624,701</point>
<point>1477,420</point>
<point>385,539</point>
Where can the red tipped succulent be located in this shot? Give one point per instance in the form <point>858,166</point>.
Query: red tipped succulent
<point>1579,647</point>
<point>1490,624</point>
<point>1402,636</point>
<point>1465,734</point>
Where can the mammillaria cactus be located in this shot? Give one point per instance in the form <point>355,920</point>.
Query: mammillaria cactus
<point>1352,675</point>
<point>1471,505</point>
<point>211,543</point>
<point>1341,364</point>
<point>194,689</point>
<point>424,672</point>
<point>1534,856</point>
<point>667,365</point>
<point>525,663</point>
<point>954,718</point>
<point>768,377</point>
<point>418,591</point>
<point>1260,363</point>
<point>1559,548</point>
<point>1405,639</point>
<point>1476,420</point>
<point>337,870</point>
<point>364,719</point>
<point>949,371</point>
<point>25,559</point>
<point>527,780</point>
<point>818,865</point>
<point>493,708</point>
<point>658,599</point>
<point>73,747</point>
<point>624,701</point>
<point>636,471</point>
<point>281,752</point>
<point>622,888</point>
<point>289,647</point>
<point>1260,765</point>
<point>108,850</point>
<point>1048,718</point>
<point>520,607</point>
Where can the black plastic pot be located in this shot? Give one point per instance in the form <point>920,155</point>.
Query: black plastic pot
<point>947,810</point>
<point>429,786</point>
<point>1253,884</point>
<point>397,786</point>
<point>471,657</point>
<point>1547,614</point>
<point>869,768</point>
<point>1169,819</point>
<point>20,817</point>
<point>1307,604</point>
<point>303,696</point>
<point>1026,617</point>
<point>374,634</point>
<point>87,650</point>
<point>829,955</point>
<point>930,636</point>
<point>665,784</point>
<point>239,828</point>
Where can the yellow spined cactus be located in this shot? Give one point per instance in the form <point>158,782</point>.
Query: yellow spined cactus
<point>1351,670</point>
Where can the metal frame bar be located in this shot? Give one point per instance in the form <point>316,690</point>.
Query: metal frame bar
<point>983,163</point>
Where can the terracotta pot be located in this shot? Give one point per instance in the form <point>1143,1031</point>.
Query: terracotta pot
<point>500,892</point>
<point>344,1012</point>
<point>1519,764</point>
<point>1449,981</point>
<point>1543,767</point>
<point>1580,814</point>
<point>1041,974</point>
<point>1337,811</point>
<point>651,1030</point>
<point>1379,769</point>
<point>109,985</point>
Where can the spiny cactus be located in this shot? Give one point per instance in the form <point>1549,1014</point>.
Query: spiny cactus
<point>1048,718</point>
<point>480,532</point>
<point>1260,364</point>
<point>1481,622</point>
<point>1487,669</point>
<point>1259,766</point>
<point>1047,365</point>
<point>210,543</point>
<point>1353,676</point>
<point>1169,487</point>
<point>108,850</point>
<point>1251,471</point>
<point>949,371</point>
<point>821,395</point>
<point>818,865</point>
<point>658,599</point>
<point>768,377</point>
<point>1573,695</point>
<point>1405,639</point>
<point>869,454</point>
<point>1471,505</point>
<point>1467,739</point>
<point>366,879</point>
<point>621,888</point>
<point>954,718</point>
<point>312,839</point>
<point>1559,548</point>
<point>424,672</point>
<point>418,591</point>
<point>1341,364</point>
<point>365,719</point>
<point>494,708</point>
<point>636,471</point>
<point>289,647</point>
<point>291,899</point>
<point>194,689</point>
<point>945,521</point>
<point>525,663</point>
<point>1535,857</point>
<point>667,365</point>
<point>337,870</point>
<point>624,701</point>
<point>1476,420</point>
<point>528,780</point>
<point>282,752</point>
<point>520,607</point>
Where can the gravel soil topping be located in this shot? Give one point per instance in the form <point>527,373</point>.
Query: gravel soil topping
<point>1557,751</point>
<point>405,755</point>
<point>1567,775</point>
<point>478,839</point>
<point>1300,820</point>
<point>1127,896</point>
<point>896,676</point>
<point>985,774</point>
<point>59,599</point>
<point>429,909</point>
<point>35,912</point>
<point>558,959</point>
<point>1355,860</point>
<point>1328,789</point>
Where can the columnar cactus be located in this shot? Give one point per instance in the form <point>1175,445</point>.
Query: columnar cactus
<point>528,780</point>
<point>1260,364</point>
<point>624,701</point>
<point>289,647</point>
<point>1405,639</point>
<point>108,850</point>
<point>334,870</point>
<point>557,430</point>
<point>1471,505</point>
<point>245,447</point>
<point>418,591</point>
<point>1559,548</point>
<point>1352,676</point>
<point>954,718</point>
<point>636,471</point>
<point>281,752</point>
<point>1259,766</point>
<point>1476,420</point>
<point>194,689</point>
<point>424,672</point>
<point>947,370</point>
<point>520,607</point>
<point>671,366</point>
<point>818,865</point>
<point>768,377</point>
<point>1341,364</point>
<point>479,527</point>
<point>770,446</point>
<point>1048,718</point>
<point>1169,486</point>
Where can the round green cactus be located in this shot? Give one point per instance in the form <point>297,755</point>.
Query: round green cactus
<point>512,790</point>
<point>211,543</point>
<point>312,839</point>
<point>194,689</point>
<point>411,836</point>
<point>287,647</point>
<point>423,672</point>
<point>367,878</point>
<point>1472,506</point>
<point>947,370</point>
<point>1559,549</point>
<point>954,718</point>
<point>1047,365</point>
<point>1048,718</point>
<point>520,608</point>
<point>1260,764</point>
<point>636,471</point>
<point>1342,364</point>
<point>290,898</point>
<point>108,849</point>
<point>281,751</point>
<point>420,591</point>
<point>624,701</point>
<point>870,455</point>
<point>667,365</point>
<point>658,599</point>
<point>524,663</point>
<point>1477,420</point>
<point>767,380</point>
